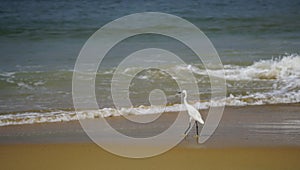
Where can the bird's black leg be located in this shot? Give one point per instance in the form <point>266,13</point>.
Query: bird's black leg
<point>197,128</point>
<point>187,128</point>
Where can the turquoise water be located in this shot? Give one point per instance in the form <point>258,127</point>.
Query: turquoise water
<point>258,42</point>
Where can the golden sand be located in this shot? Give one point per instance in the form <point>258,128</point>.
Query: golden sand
<point>90,156</point>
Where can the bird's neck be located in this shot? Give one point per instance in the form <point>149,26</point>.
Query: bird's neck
<point>184,100</point>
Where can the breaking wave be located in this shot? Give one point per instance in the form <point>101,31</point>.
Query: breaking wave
<point>279,79</point>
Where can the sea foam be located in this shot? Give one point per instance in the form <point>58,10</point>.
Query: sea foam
<point>283,72</point>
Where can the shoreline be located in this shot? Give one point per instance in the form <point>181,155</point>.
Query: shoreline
<point>251,137</point>
<point>261,125</point>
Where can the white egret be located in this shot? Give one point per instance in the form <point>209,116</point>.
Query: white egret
<point>193,113</point>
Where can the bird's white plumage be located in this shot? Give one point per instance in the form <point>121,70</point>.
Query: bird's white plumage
<point>194,113</point>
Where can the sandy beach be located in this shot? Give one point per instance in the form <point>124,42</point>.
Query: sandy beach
<point>252,137</point>
<point>90,156</point>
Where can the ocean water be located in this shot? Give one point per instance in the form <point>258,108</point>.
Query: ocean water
<point>258,43</point>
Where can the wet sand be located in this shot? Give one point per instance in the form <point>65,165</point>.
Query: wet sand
<point>251,137</point>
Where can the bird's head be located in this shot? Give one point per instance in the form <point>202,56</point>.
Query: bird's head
<point>182,92</point>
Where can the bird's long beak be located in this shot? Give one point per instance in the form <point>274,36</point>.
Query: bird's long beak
<point>179,92</point>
